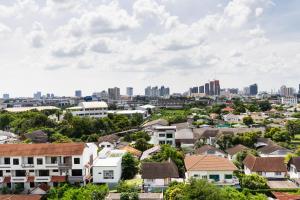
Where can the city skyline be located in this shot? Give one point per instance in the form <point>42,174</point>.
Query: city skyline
<point>95,45</point>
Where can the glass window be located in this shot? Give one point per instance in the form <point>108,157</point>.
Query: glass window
<point>277,173</point>
<point>32,185</point>
<point>30,160</point>
<point>108,174</point>
<point>204,177</point>
<point>76,161</point>
<point>55,170</point>
<point>15,161</point>
<point>169,135</point>
<point>228,176</point>
<point>76,172</point>
<point>53,160</point>
<point>31,170</point>
<point>39,161</point>
<point>7,161</point>
<point>214,177</point>
<point>170,142</point>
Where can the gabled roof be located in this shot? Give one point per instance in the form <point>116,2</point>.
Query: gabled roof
<point>161,122</point>
<point>271,148</point>
<point>237,148</point>
<point>45,149</point>
<point>208,163</point>
<point>206,148</point>
<point>295,161</point>
<point>112,138</point>
<point>265,164</point>
<point>157,170</point>
<point>132,150</point>
<point>186,133</point>
<point>209,133</point>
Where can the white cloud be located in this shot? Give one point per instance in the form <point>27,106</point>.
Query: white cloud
<point>68,48</point>
<point>4,30</point>
<point>37,36</point>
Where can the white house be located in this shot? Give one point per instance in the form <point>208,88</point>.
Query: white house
<point>107,167</point>
<point>294,168</point>
<point>163,135</point>
<point>30,165</point>
<point>108,141</point>
<point>268,167</point>
<point>95,109</point>
<point>158,174</point>
<point>215,169</point>
<point>290,101</point>
<point>232,118</point>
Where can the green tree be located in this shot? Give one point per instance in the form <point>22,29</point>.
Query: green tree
<point>59,138</point>
<point>248,120</point>
<point>129,166</point>
<point>293,127</point>
<point>240,157</point>
<point>142,145</point>
<point>225,141</point>
<point>253,182</point>
<point>264,105</point>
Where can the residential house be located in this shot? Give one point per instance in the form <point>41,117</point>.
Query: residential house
<point>158,174</point>
<point>209,136</point>
<point>163,135</point>
<point>150,152</point>
<point>268,167</point>
<point>273,150</point>
<point>107,166</point>
<point>95,109</point>
<point>135,152</point>
<point>232,152</point>
<point>108,141</point>
<point>30,165</point>
<point>210,150</point>
<point>184,138</point>
<point>213,168</point>
<point>293,167</point>
<point>232,118</point>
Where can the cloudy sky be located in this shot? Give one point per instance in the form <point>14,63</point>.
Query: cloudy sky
<point>62,45</point>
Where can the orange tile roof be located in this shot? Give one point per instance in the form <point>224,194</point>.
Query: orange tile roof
<point>132,150</point>
<point>286,196</point>
<point>45,149</point>
<point>20,197</point>
<point>208,163</point>
<point>58,179</point>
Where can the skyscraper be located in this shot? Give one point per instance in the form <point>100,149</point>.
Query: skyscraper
<point>129,91</point>
<point>37,95</point>
<point>78,93</point>
<point>148,91</point>
<point>207,88</point>
<point>217,87</point>
<point>253,89</point>
<point>114,93</point>
<point>201,89</point>
<point>5,96</point>
<point>212,88</point>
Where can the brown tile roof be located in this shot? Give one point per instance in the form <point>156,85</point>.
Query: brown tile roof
<point>265,164</point>
<point>210,133</point>
<point>65,149</point>
<point>236,149</point>
<point>156,170</point>
<point>58,179</point>
<point>112,138</point>
<point>208,163</point>
<point>286,196</point>
<point>209,148</point>
<point>132,150</point>
<point>44,187</point>
<point>20,197</point>
<point>271,148</point>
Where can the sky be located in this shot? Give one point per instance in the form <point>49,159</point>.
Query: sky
<point>58,46</point>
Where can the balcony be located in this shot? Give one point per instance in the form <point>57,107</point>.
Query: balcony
<point>25,165</point>
<point>64,165</point>
<point>75,179</point>
<point>42,179</point>
<point>18,179</point>
<point>4,165</point>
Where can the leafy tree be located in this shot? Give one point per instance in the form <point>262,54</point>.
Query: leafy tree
<point>293,127</point>
<point>129,196</point>
<point>167,152</point>
<point>59,138</point>
<point>233,194</point>
<point>225,141</point>
<point>238,106</point>
<point>253,182</point>
<point>264,105</point>
<point>240,157</point>
<point>142,145</point>
<point>277,134</point>
<point>125,187</point>
<point>129,166</point>
<point>247,139</point>
<point>175,191</point>
<point>253,107</point>
<point>248,120</point>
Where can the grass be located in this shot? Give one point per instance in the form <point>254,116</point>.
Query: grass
<point>136,181</point>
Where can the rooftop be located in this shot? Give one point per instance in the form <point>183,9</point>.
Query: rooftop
<point>265,164</point>
<point>157,170</point>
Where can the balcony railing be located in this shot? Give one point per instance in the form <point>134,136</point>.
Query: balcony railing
<point>18,179</point>
<point>65,165</point>
<point>75,178</point>
<point>4,165</point>
<point>42,179</point>
<point>25,165</point>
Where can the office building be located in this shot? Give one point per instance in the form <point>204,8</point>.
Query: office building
<point>78,93</point>
<point>207,88</point>
<point>194,90</point>
<point>114,93</point>
<point>211,88</point>
<point>217,87</point>
<point>286,91</point>
<point>253,89</point>
<point>157,92</point>
<point>201,89</point>
<point>129,91</point>
<point>95,109</point>
<point>148,91</point>
<point>5,96</point>
<point>37,95</point>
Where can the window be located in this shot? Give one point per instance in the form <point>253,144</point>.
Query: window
<point>39,161</point>
<point>1,173</point>
<point>53,160</point>
<point>7,161</point>
<point>169,135</point>
<point>204,177</point>
<point>196,175</point>
<point>259,173</point>
<point>228,176</point>
<point>214,177</point>
<point>55,170</point>
<point>76,161</point>
<point>108,174</point>
<point>7,171</point>
<point>30,160</point>
<point>211,151</point>
<point>278,173</point>
<point>15,161</point>
<point>76,172</point>
<point>161,135</point>
<point>162,142</point>
<point>31,171</point>
<point>170,142</point>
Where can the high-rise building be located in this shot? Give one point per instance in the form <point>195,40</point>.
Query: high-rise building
<point>201,89</point>
<point>287,91</point>
<point>114,93</point>
<point>5,96</point>
<point>194,90</point>
<point>207,88</point>
<point>129,91</point>
<point>246,91</point>
<point>299,89</point>
<point>148,91</point>
<point>253,89</point>
<point>217,87</point>
<point>211,88</point>
<point>233,90</point>
<point>78,93</point>
<point>37,95</point>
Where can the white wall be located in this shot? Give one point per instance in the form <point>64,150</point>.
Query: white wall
<point>200,174</point>
<point>98,174</point>
<point>293,173</point>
